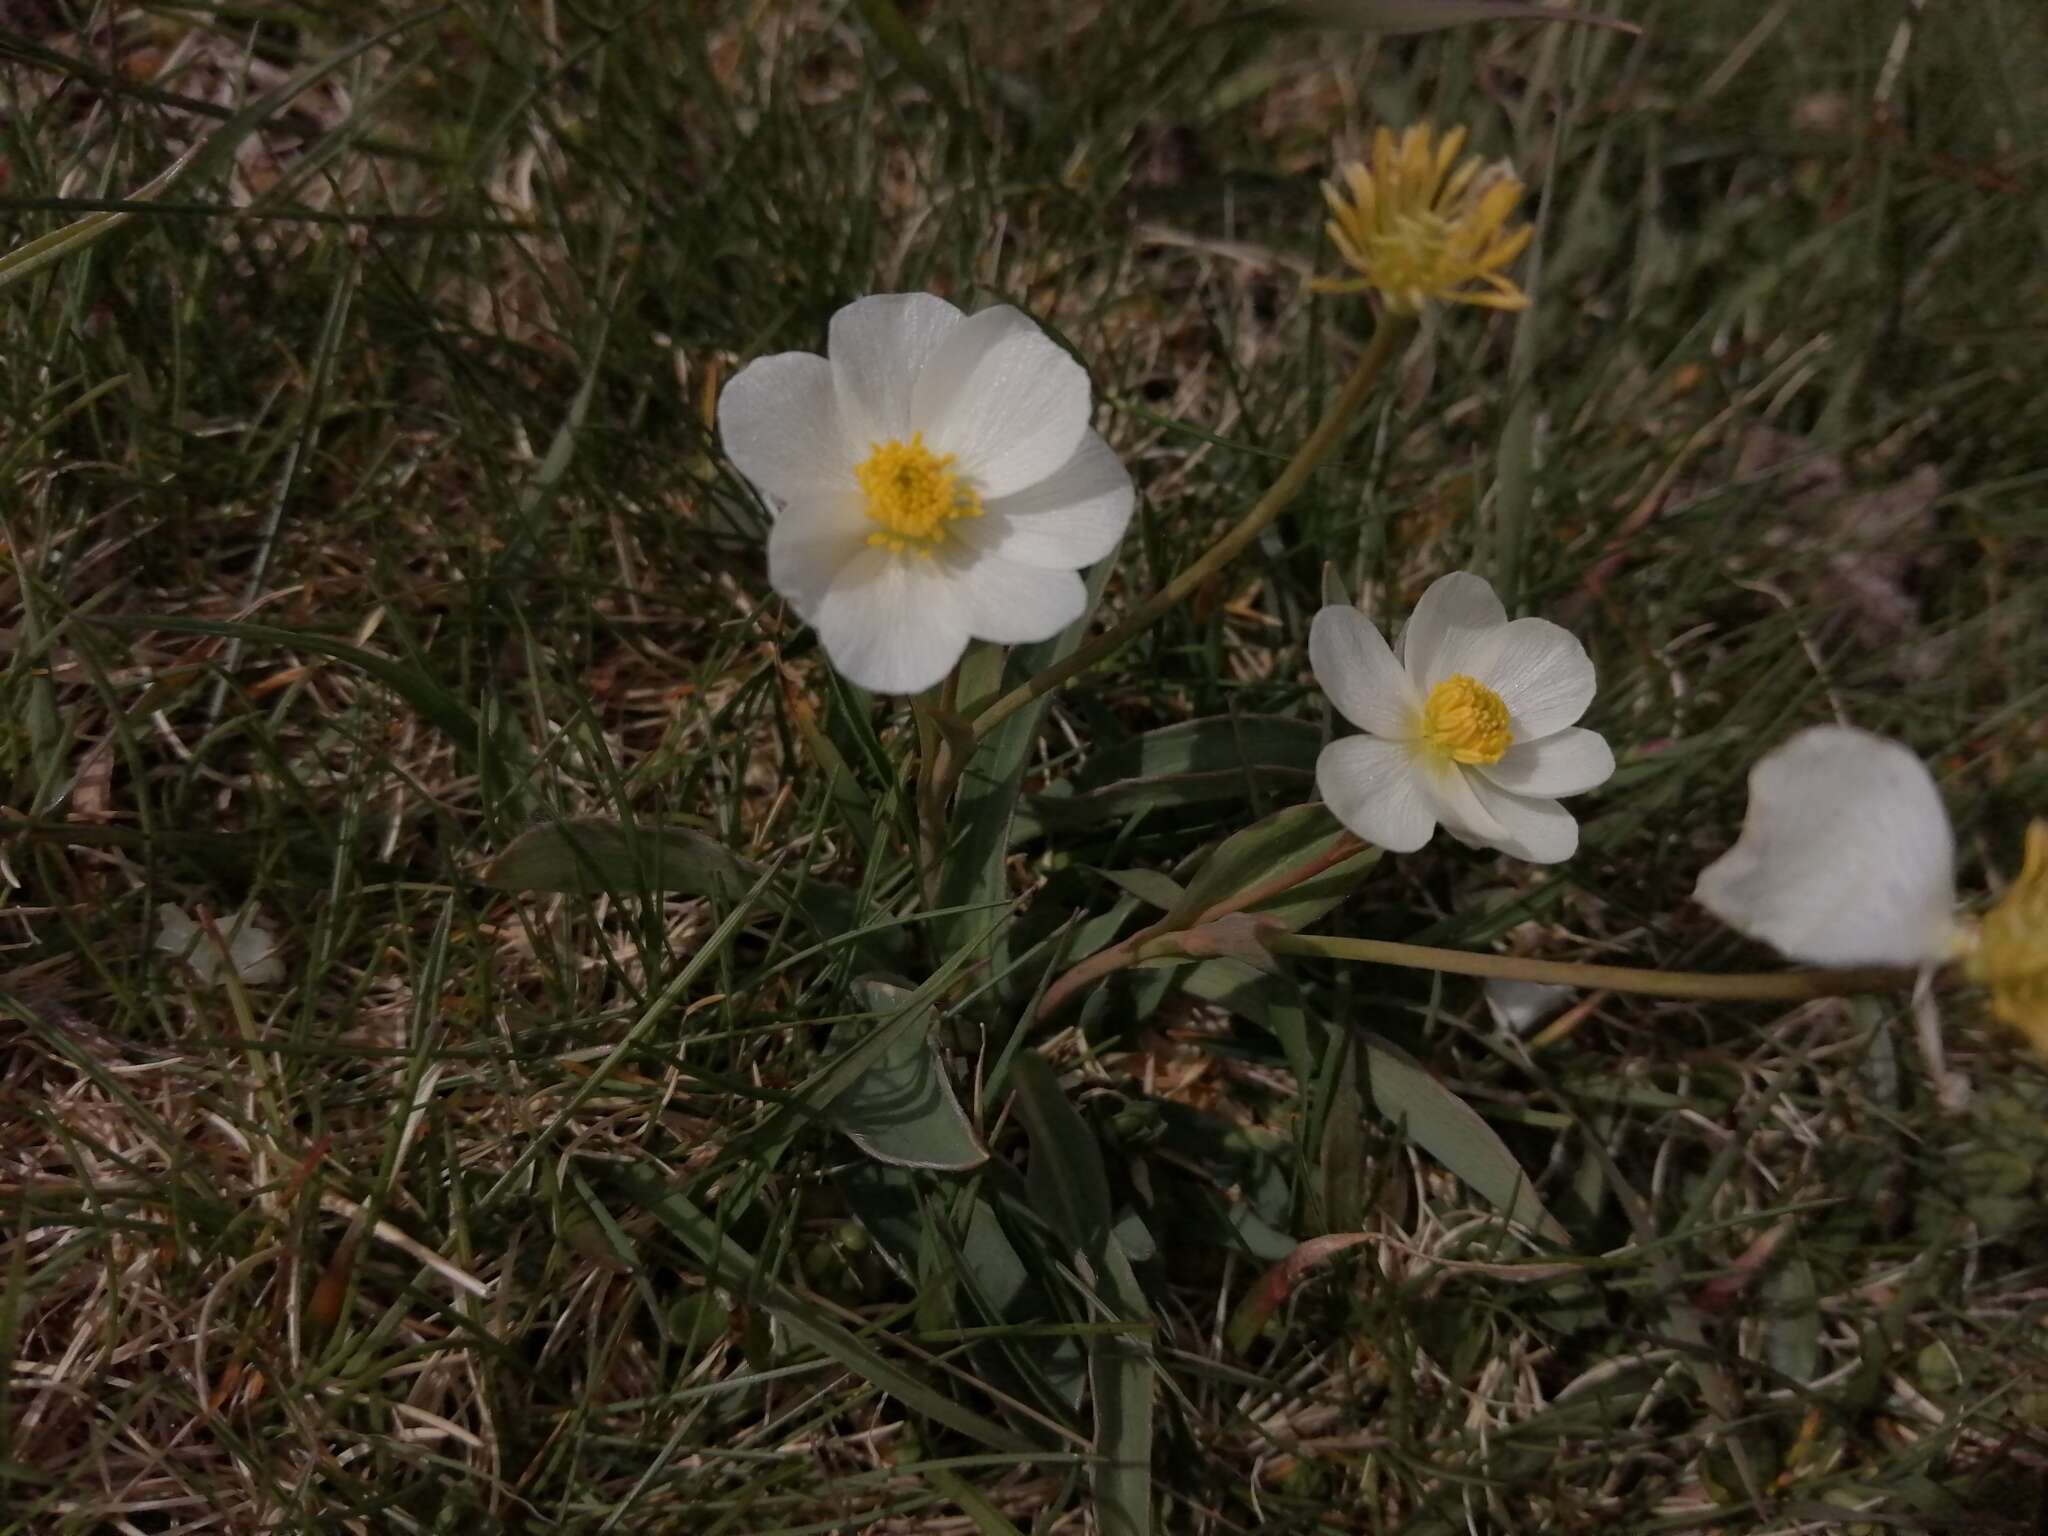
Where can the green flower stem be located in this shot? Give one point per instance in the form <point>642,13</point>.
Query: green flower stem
<point>1387,342</point>
<point>1755,986</point>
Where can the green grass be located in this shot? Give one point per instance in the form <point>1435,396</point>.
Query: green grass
<point>362,512</point>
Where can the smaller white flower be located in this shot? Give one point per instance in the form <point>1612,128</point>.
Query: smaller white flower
<point>933,481</point>
<point>252,948</point>
<point>1470,725</point>
<point>1846,856</point>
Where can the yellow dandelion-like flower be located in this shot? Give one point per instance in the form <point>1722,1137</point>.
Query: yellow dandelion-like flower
<point>1415,229</point>
<point>2011,953</point>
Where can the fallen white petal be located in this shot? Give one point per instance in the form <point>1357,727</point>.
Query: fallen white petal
<point>252,947</point>
<point>1519,1006</point>
<point>1845,858</point>
<point>1354,665</point>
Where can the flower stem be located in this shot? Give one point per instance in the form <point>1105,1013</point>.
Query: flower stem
<point>1386,345</point>
<point>1755,986</point>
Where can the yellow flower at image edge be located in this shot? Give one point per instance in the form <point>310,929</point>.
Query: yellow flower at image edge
<point>1416,225</point>
<point>2010,956</point>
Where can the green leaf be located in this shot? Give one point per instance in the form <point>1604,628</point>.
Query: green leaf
<point>976,876</point>
<point>1792,1319</point>
<point>727,1263</point>
<point>1120,1371</point>
<point>901,1109</point>
<point>1148,885</point>
<point>1272,1002</point>
<point>987,1519</point>
<point>1070,1190</point>
<point>1232,757</point>
<point>1451,1131</point>
<point>1246,860</point>
<point>1068,1186</point>
<point>1341,1157</point>
<point>593,856</point>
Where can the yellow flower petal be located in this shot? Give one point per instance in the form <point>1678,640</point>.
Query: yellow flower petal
<point>1417,225</point>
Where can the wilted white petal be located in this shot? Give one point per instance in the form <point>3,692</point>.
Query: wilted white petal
<point>252,947</point>
<point>1845,858</point>
<point>1354,665</point>
<point>1069,520</point>
<point>1540,671</point>
<point>1371,786</point>
<point>878,346</point>
<point>1518,1006</point>
<point>1567,763</point>
<point>1004,399</point>
<point>1456,611</point>
<point>779,419</point>
<point>892,624</point>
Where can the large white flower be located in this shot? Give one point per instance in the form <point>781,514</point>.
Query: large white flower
<point>1470,725</point>
<point>1845,857</point>
<point>933,481</point>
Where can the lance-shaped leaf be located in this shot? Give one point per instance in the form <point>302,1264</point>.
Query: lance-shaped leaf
<point>901,1109</point>
<point>591,856</point>
<point>1233,757</point>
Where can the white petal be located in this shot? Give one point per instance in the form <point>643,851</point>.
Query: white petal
<point>1371,786</point>
<point>1354,665</point>
<point>1003,398</point>
<point>1457,610</point>
<point>879,345</point>
<point>807,546</point>
<point>1845,858</point>
<point>1540,671</point>
<point>780,423</point>
<point>891,622</point>
<point>1520,1006</point>
<point>1067,521</point>
<point>1532,827</point>
<point>253,951</point>
<point>1452,789</point>
<point>1013,604</point>
<point>1568,763</point>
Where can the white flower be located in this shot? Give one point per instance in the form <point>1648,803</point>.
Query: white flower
<point>934,481</point>
<point>1845,858</point>
<point>1471,725</point>
<point>252,948</point>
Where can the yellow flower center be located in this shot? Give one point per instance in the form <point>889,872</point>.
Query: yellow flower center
<point>2011,953</point>
<point>1464,721</point>
<point>912,493</point>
